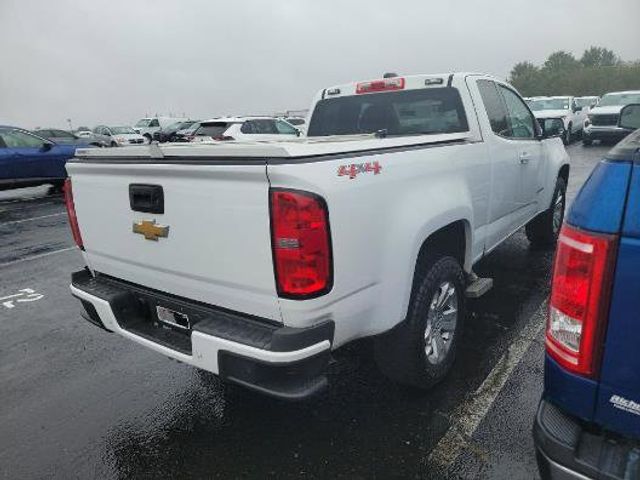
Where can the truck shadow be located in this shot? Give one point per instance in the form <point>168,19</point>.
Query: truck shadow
<point>363,426</point>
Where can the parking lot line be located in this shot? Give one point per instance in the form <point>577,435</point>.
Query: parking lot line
<point>35,257</point>
<point>14,222</point>
<point>467,417</point>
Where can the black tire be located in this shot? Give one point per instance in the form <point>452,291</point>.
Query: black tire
<point>114,144</point>
<point>401,354</point>
<point>587,142</point>
<point>566,138</point>
<point>544,229</point>
<point>148,137</point>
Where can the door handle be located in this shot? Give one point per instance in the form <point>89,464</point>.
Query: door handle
<point>524,158</point>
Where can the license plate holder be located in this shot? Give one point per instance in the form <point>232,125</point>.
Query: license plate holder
<point>173,318</point>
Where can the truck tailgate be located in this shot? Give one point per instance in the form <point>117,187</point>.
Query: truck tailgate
<point>217,249</point>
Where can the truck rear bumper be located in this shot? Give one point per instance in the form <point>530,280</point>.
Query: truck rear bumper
<point>566,451</point>
<point>285,362</point>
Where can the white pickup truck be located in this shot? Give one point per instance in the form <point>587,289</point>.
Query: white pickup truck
<point>255,260</point>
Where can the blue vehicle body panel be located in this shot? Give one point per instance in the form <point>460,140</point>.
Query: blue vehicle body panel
<point>620,371</point>
<point>631,226</point>
<point>7,160</point>
<point>609,202</point>
<point>599,205</point>
<point>36,163</point>
<point>573,394</point>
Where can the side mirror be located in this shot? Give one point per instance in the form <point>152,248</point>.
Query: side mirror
<point>630,116</point>
<point>552,127</point>
<point>298,132</point>
<point>46,146</point>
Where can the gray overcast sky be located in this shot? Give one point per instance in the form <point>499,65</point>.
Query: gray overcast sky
<point>115,61</point>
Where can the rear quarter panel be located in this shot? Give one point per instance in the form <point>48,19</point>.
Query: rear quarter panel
<point>618,404</point>
<point>378,224</point>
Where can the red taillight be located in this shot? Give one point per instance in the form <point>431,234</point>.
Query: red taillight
<point>396,83</point>
<point>71,211</point>
<point>579,303</point>
<point>301,243</point>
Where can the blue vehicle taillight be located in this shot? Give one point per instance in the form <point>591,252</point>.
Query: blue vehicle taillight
<point>578,308</point>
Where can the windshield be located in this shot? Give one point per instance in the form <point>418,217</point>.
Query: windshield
<point>585,102</point>
<point>613,99</point>
<point>549,104</point>
<point>144,122</point>
<point>175,126</point>
<point>121,130</point>
<point>410,112</point>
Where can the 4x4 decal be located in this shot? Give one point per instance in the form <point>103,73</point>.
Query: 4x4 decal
<point>353,170</point>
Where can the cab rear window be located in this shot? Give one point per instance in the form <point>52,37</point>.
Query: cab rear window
<point>407,112</point>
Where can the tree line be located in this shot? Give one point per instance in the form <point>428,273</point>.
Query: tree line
<point>598,71</point>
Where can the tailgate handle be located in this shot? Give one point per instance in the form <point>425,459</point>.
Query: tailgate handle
<point>146,198</point>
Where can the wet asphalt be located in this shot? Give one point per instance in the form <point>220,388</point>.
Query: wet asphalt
<point>77,402</point>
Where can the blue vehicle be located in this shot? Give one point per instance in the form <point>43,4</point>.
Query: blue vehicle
<point>27,159</point>
<point>588,421</point>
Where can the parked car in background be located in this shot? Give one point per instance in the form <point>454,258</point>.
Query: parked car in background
<point>244,128</point>
<point>118,136</point>
<point>297,122</point>
<point>186,134</point>
<point>588,102</point>
<point>168,133</point>
<point>255,260</point>
<point>602,123</point>
<point>588,421</point>
<point>149,125</point>
<point>27,159</point>
<point>64,137</point>
<point>564,108</point>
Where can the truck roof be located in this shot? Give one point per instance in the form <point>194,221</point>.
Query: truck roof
<point>410,82</point>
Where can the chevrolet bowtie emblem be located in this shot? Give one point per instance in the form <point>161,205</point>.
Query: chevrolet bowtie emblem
<point>150,230</point>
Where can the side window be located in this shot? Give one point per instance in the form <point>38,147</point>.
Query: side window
<point>264,127</point>
<point>496,109</point>
<point>521,122</point>
<point>247,127</point>
<point>16,139</point>
<point>154,123</point>
<point>284,128</point>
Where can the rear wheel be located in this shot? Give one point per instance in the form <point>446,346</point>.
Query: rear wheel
<point>544,229</point>
<point>420,351</point>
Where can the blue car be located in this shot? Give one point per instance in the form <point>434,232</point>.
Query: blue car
<point>588,421</point>
<point>27,159</point>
